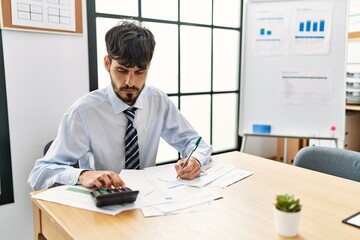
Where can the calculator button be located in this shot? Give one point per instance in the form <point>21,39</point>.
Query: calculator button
<point>96,193</point>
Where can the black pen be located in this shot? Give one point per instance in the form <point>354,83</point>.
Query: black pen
<point>187,160</point>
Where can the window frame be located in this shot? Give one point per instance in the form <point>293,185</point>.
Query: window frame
<point>6,181</point>
<point>93,72</point>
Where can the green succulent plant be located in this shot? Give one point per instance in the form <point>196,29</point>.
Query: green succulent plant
<point>287,203</point>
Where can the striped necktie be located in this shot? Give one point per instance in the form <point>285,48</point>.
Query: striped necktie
<point>132,160</point>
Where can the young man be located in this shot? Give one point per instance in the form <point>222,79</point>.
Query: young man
<point>120,126</point>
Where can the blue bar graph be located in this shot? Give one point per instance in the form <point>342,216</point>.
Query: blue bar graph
<point>264,32</point>
<point>315,26</point>
<point>310,26</point>
<point>301,28</point>
<point>322,25</point>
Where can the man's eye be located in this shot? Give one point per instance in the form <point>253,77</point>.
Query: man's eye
<point>139,72</point>
<point>121,70</point>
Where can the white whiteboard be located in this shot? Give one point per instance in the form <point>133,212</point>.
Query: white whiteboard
<point>294,68</point>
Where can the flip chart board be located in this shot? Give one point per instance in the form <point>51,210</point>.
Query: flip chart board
<point>294,68</point>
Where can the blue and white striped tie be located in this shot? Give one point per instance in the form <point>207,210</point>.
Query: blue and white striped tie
<point>132,160</point>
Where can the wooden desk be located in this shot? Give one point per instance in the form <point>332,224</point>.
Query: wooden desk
<point>246,209</point>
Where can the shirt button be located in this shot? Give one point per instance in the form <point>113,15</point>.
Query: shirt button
<point>69,181</point>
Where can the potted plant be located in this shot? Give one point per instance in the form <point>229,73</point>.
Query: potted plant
<point>287,215</point>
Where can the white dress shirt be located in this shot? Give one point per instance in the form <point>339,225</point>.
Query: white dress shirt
<point>92,132</point>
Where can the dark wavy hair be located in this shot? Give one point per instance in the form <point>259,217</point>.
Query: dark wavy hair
<point>130,44</point>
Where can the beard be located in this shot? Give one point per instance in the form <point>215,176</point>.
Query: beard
<point>127,94</point>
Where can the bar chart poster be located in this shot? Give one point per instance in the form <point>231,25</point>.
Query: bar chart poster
<point>311,29</point>
<point>270,32</point>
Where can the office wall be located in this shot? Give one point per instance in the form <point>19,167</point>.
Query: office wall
<point>44,73</point>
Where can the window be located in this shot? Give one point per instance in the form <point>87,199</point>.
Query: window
<point>196,60</point>
<point>6,184</point>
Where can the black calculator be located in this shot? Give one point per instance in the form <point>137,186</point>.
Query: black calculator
<point>103,197</point>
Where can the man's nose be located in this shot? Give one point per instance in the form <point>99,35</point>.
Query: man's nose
<point>130,80</point>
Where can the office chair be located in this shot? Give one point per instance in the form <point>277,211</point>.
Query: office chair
<point>47,146</point>
<point>338,162</point>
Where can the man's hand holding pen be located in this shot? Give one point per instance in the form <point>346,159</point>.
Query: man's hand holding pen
<point>189,171</point>
<point>191,167</point>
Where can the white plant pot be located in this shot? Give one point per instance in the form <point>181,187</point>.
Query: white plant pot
<point>286,223</point>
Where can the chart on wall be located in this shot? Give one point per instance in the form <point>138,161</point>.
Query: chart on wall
<point>270,36</point>
<point>292,30</point>
<point>42,15</point>
<point>54,14</point>
<point>311,29</point>
<point>294,68</point>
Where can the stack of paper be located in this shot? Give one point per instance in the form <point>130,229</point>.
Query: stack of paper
<point>189,195</point>
<point>220,175</point>
<point>79,197</point>
<point>160,191</point>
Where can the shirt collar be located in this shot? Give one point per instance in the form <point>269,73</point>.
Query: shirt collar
<point>118,105</point>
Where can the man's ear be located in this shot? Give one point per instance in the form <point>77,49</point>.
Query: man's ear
<point>107,63</point>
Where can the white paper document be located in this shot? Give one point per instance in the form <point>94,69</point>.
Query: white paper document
<point>79,197</point>
<point>232,177</point>
<point>180,199</point>
<point>270,31</point>
<point>306,86</point>
<point>160,192</point>
<point>207,176</point>
<point>188,197</point>
<point>311,29</point>
<point>137,180</point>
